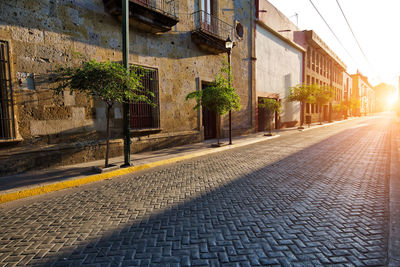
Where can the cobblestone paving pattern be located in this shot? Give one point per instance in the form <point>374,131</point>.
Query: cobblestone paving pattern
<point>314,198</point>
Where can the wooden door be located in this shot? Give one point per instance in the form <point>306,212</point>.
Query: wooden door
<point>210,124</point>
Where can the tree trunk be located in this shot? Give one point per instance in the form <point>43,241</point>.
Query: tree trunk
<point>269,118</point>
<point>218,127</point>
<point>320,113</point>
<point>107,135</point>
<point>301,114</point>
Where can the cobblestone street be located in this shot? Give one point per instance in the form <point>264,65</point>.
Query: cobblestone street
<point>316,197</point>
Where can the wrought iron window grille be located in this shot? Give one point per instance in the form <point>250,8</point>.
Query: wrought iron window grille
<point>144,115</point>
<point>7,123</point>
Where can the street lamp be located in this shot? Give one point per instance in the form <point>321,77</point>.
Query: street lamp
<point>229,46</point>
<point>229,43</point>
<point>125,59</point>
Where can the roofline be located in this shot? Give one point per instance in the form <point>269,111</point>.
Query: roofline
<point>318,40</point>
<point>286,40</point>
<point>364,78</point>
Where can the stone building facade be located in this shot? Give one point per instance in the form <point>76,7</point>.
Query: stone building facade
<point>279,64</point>
<point>347,91</point>
<point>324,68</point>
<point>180,42</point>
<point>364,92</point>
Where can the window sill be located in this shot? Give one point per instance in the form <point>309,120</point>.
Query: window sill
<point>144,132</point>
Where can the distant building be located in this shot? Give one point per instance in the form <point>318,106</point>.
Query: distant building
<point>347,92</point>
<point>279,64</point>
<point>363,92</point>
<point>324,68</point>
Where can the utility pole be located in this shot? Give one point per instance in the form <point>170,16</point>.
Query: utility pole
<point>125,60</point>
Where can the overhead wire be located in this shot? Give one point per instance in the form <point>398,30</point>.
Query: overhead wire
<point>337,38</point>
<point>355,38</point>
<point>329,27</point>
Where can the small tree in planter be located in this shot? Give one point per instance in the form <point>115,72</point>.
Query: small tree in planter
<point>270,106</point>
<point>304,94</point>
<point>106,81</point>
<point>347,108</point>
<point>220,96</point>
<point>355,104</point>
<point>341,108</point>
<point>322,97</point>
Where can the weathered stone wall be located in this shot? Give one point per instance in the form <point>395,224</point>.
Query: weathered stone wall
<point>44,34</point>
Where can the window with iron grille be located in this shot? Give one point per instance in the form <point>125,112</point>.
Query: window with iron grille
<point>142,114</point>
<point>7,127</point>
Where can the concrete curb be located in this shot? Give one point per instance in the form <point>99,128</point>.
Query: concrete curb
<point>394,198</point>
<point>34,191</point>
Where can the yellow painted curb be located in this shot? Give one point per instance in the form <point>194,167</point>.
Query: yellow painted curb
<point>98,177</point>
<point>93,178</point>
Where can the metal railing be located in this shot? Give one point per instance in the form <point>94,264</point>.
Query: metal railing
<point>7,124</point>
<point>169,7</point>
<point>212,25</point>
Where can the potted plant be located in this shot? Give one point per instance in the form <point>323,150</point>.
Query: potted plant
<point>270,106</point>
<point>304,94</point>
<point>322,96</point>
<point>219,96</point>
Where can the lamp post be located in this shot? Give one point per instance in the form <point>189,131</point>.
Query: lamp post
<point>125,59</point>
<point>229,46</point>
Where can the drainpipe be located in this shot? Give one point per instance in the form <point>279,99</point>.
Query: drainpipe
<point>252,67</point>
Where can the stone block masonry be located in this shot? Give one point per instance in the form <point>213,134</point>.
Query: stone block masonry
<point>43,35</point>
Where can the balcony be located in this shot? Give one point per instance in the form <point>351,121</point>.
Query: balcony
<point>210,33</point>
<point>153,16</point>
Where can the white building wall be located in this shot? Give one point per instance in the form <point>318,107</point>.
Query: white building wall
<point>278,67</point>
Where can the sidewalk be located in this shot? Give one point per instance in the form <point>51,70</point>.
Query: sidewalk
<point>39,182</point>
<point>394,196</point>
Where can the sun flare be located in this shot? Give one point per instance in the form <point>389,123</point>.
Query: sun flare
<point>391,100</point>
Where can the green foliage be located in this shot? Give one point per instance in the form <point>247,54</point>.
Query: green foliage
<point>302,93</point>
<point>346,104</point>
<point>339,107</point>
<point>107,81</point>
<point>322,95</point>
<point>219,96</point>
<point>311,94</point>
<point>270,105</point>
<point>355,103</point>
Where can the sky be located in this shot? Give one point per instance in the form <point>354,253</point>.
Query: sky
<point>375,25</point>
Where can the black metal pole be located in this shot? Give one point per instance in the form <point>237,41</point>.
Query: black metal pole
<point>230,111</point>
<point>125,60</point>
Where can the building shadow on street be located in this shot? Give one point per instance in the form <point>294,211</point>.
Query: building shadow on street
<point>305,208</point>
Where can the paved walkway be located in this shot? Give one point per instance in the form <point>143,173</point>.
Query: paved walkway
<point>33,179</point>
<point>317,197</point>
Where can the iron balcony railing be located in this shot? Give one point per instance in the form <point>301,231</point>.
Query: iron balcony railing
<point>212,25</point>
<point>168,7</point>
